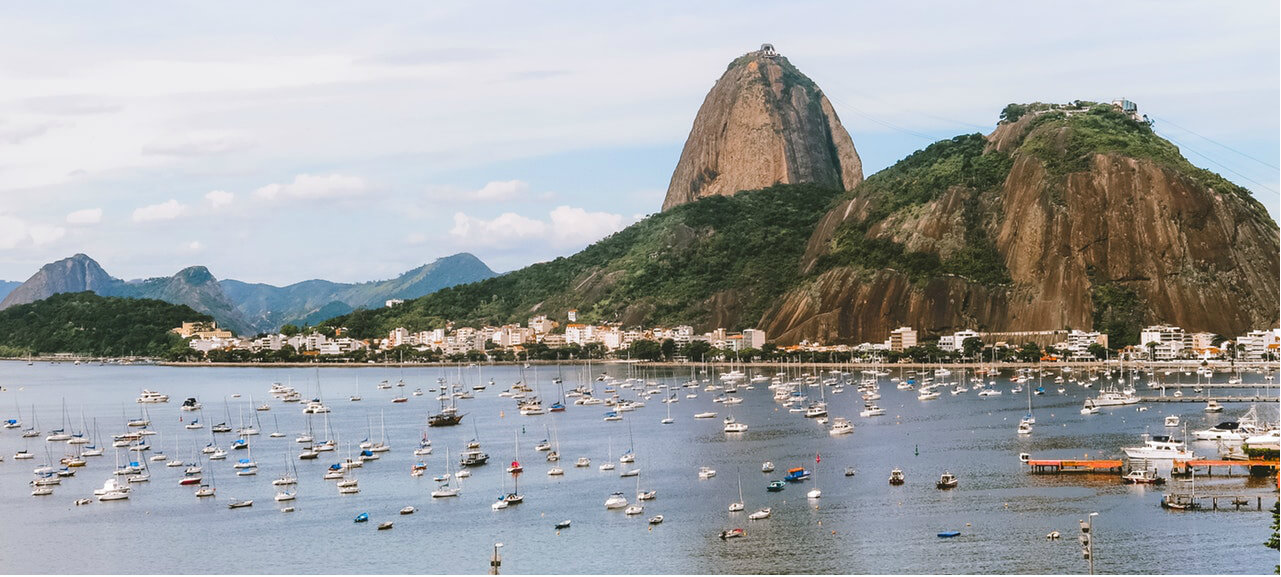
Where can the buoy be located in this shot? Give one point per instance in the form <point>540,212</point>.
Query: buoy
<point>967,524</point>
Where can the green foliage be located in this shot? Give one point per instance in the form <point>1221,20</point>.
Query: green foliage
<point>1029,352</point>
<point>1118,312</point>
<point>668,266</point>
<point>918,179</point>
<point>1100,352</point>
<point>971,346</point>
<point>89,324</point>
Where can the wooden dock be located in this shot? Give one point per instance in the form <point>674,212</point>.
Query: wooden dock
<point>1114,466</point>
<point>1202,399</point>
<point>1230,502</point>
<point>1253,467</point>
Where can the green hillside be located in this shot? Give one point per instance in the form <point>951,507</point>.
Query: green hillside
<point>89,324</point>
<point>722,259</point>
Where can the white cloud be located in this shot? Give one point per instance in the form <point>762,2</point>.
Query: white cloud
<point>575,226</point>
<point>45,234</point>
<point>501,190</point>
<point>415,238</point>
<point>199,144</point>
<point>566,227</point>
<point>85,216</point>
<point>167,210</point>
<point>16,232</point>
<point>219,198</point>
<point>315,186</point>
<point>194,246</point>
<point>13,231</point>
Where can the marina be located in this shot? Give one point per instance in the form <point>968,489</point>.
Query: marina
<point>736,521</point>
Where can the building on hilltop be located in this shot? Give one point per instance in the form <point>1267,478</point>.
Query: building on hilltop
<point>201,330</point>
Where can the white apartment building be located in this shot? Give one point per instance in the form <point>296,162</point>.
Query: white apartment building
<point>1259,343</point>
<point>1171,342</point>
<point>753,338</point>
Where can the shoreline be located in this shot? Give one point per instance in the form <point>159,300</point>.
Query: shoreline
<point>1219,366</point>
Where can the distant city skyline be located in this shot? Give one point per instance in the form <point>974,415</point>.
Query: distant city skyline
<point>284,142</point>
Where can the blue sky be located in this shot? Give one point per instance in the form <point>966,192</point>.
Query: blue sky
<point>292,140</point>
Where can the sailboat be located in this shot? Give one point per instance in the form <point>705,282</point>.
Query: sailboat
<point>668,420</point>
<point>815,493</point>
<point>246,467</point>
<point>515,467</point>
<point>445,490</point>
<point>286,478</point>
<point>738,505</point>
<point>609,463</point>
<point>381,446</point>
<point>34,431</point>
<point>276,434</point>
<point>644,495</point>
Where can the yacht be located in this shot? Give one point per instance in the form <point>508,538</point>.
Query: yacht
<point>732,426</point>
<point>947,481</point>
<point>841,426</point>
<point>706,472</point>
<point>152,397</point>
<point>1160,447</point>
<point>896,477</point>
<point>1143,477</point>
<point>616,501</point>
<point>871,411</point>
<point>1270,439</point>
<point>760,514</point>
<point>1111,397</point>
<point>1172,421</point>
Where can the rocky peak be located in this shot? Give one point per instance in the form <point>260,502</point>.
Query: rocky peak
<point>763,123</point>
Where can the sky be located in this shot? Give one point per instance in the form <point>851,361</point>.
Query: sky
<point>284,141</point>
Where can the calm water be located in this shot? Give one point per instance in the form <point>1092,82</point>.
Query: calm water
<point>861,524</point>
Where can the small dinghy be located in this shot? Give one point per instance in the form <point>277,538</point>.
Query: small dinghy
<point>407,510</point>
<point>949,534</point>
<point>562,525</point>
<point>361,518</point>
<point>384,526</point>
<point>656,519</point>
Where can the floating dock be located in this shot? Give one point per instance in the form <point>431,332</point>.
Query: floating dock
<point>1233,502</point>
<point>1115,466</point>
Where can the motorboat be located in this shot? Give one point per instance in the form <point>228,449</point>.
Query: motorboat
<point>583,462</point>
<point>706,472</point>
<point>775,486</point>
<point>633,510</point>
<point>1227,431</point>
<point>616,501</point>
<point>1025,428</point>
<point>706,415</point>
<point>767,467</point>
<point>733,534</point>
<point>1172,421</point>
<point>1089,408</point>
<point>849,471</point>
<point>1143,477</point>
<point>841,426</point>
<point>871,411</point>
<point>946,481</point>
<point>152,397</point>
<point>1111,397</point>
<point>896,477</point>
<point>656,520</point>
<point>562,525</point>
<point>759,514</point>
<point>1160,447</point>
<point>732,426</point>
<point>408,510</point>
<point>796,475</point>
<point>1213,406</point>
<point>1270,439</point>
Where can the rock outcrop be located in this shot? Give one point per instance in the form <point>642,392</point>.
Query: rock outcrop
<point>1085,208</point>
<point>73,274</point>
<point>763,123</point>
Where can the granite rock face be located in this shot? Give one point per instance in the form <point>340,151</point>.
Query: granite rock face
<point>763,123</point>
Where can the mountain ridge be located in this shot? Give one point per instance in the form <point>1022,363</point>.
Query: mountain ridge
<point>246,308</point>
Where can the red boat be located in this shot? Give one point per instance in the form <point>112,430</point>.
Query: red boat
<point>189,480</point>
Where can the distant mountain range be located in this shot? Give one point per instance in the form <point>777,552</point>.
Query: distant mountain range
<point>7,286</point>
<point>246,308</point>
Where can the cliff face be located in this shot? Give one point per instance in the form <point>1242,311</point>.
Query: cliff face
<point>1089,221</point>
<point>763,123</point>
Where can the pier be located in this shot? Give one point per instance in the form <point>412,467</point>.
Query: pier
<point>1216,398</point>
<point>1042,466</point>
<point>1231,502</point>
<point>1253,467</point>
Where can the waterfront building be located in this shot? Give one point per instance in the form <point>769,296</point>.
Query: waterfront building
<point>902,338</point>
<point>1170,342</point>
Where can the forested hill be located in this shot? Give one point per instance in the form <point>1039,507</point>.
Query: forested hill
<point>89,324</point>
<point>718,262</point>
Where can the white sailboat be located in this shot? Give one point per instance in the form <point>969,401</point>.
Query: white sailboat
<point>738,505</point>
<point>815,493</point>
<point>445,489</point>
